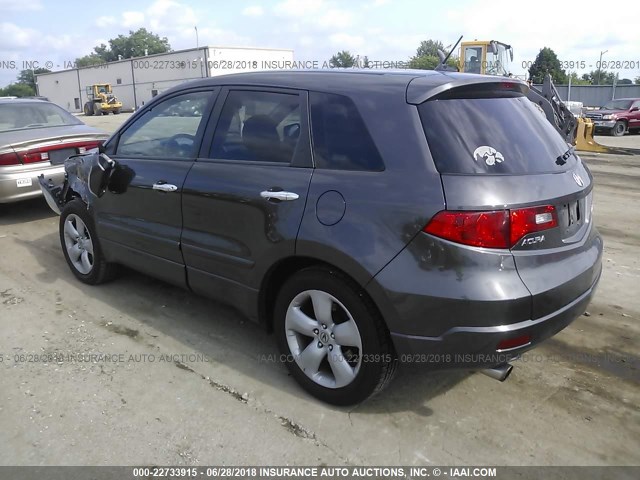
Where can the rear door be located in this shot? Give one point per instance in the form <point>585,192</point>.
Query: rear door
<point>495,150</point>
<point>139,219</point>
<point>244,197</point>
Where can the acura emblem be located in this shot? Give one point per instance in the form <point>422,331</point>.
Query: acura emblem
<point>578,179</point>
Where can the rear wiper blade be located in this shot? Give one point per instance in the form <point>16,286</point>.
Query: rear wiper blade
<point>562,159</point>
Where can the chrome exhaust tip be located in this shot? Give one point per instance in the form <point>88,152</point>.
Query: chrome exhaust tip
<point>500,373</point>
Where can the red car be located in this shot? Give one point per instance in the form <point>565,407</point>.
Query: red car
<point>617,117</point>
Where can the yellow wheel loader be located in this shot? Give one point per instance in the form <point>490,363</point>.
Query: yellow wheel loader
<point>491,57</point>
<point>101,101</point>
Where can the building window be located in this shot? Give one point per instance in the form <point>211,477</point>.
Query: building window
<point>76,101</point>
<point>119,81</point>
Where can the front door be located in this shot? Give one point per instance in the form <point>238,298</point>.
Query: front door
<point>139,219</point>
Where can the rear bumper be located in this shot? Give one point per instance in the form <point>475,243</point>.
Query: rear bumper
<point>20,182</point>
<point>475,347</point>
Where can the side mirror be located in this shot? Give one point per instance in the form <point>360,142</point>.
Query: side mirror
<point>99,175</point>
<point>494,47</point>
<point>511,54</point>
<point>634,109</point>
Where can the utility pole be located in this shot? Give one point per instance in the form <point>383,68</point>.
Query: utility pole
<point>600,65</point>
<point>197,40</point>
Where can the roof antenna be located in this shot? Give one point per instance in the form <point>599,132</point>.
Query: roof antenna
<point>443,59</point>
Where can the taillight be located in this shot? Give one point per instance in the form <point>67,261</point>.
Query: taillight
<point>9,159</point>
<point>491,229</point>
<point>530,220</point>
<point>479,229</point>
<point>41,154</point>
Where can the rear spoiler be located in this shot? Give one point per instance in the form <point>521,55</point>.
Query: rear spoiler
<point>423,88</point>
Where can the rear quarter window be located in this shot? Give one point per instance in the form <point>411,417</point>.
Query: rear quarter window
<point>341,140</point>
<point>495,135</point>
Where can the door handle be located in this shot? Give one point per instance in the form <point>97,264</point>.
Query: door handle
<point>164,187</point>
<point>280,195</point>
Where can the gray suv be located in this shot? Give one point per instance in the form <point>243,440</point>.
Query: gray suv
<point>367,218</point>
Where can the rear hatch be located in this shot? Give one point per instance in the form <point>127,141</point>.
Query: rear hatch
<point>496,151</point>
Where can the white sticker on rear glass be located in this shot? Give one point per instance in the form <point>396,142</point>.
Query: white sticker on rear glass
<point>488,155</point>
<point>23,182</point>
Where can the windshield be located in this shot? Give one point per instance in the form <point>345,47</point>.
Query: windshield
<point>618,105</point>
<point>27,115</point>
<point>498,64</point>
<point>492,136</point>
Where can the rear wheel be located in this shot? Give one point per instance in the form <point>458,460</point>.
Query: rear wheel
<point>619,129</point>
<point>88,111</point>
<point>81,246</point>
<point>333,339</point>
<point>96,109</point>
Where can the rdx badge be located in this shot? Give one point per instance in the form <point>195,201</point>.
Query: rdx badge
<point>532,240</point>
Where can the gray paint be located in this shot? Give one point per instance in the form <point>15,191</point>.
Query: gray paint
<point>221,238</point>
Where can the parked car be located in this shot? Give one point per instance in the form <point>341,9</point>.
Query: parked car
<point>367,218</point>
<point>617,117</point>
<point>36,137</point>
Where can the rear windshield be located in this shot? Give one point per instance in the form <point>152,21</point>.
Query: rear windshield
<point>27,115</point>
<point>493,136</point>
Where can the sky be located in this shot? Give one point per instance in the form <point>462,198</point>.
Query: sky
<point>58,31</point>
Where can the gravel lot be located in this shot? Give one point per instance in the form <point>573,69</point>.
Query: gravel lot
<point>191,382</point>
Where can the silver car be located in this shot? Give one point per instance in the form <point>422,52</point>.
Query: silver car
<point>36,137</point>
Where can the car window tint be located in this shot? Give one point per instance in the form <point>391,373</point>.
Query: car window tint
<point>168,130</point>
<point>257,126</point>
<point>493,136</point>
<point>341,140</point>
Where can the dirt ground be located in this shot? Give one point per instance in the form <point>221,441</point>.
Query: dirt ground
<point>183,380</point>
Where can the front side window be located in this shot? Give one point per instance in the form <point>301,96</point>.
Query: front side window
<point>258,126</point>
<point>168,130</point>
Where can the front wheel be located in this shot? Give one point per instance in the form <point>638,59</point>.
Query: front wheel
<point>332,338</point>
<point>81,247</point>
<point>618,129</point>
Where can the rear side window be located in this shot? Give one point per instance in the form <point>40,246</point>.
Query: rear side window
<point>257,126</point>
<point>492,136</point>
<point>341,140</point>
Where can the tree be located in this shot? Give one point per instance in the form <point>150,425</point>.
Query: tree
<point>343,59</point>
<point>136,44</point>
<point>429,48</point>
<point>547,62</point>
<point>426,57</point>
<point>27,77</point>
<point>638,81</point>
<point>625,81</point>
<point>601,77</point>
<point>575,80</point>
<point>89,60</point>
<point>17,90</point>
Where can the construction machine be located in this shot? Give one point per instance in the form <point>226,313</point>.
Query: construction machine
<point>101,100</point>
<point>492,57</point>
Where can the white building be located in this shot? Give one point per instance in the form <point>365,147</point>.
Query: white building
<point>137,80</point>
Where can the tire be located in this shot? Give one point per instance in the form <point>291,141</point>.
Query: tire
<point>350,333</point>
<point>116,111</point>
<point>619,129</point>
<point>88,111</point>
<point>78,234</point>
<point>97,110</point>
